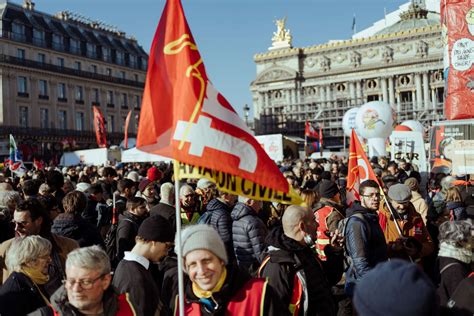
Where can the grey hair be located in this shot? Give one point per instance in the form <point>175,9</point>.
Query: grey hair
<point>167,192</point>
<point>455,232</point>
<point>7,197</point>
<point>184,188</point>
<point>89,258</point>
<point>26,249</point>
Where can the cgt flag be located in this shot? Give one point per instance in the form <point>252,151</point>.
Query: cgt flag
<point>185,118</point>
<point>15,161</point>
<point>99,126</point>
<point>359,169</point>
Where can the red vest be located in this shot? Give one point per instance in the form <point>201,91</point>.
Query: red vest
<point>323,239</point>
<point>125,307</point>
<point>248,301</point>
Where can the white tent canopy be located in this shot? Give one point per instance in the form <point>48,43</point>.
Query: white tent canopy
<point>136,155</point>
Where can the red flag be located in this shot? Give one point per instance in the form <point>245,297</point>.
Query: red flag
<point>99,126</point>
<point>321,137</point>
<point>127,122</point>
<point>359,169</point>
<point>39,165</point>
<point>310,131</point>
<point>185,118</point>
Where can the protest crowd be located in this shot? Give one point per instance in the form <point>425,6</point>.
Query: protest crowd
<point>91,240</point>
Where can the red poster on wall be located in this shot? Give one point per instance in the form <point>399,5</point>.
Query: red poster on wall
<point>457,20</point>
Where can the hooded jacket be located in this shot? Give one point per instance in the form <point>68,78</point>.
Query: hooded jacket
<point>221,220</point>
<point>248,234</point>
<point>77,228</point>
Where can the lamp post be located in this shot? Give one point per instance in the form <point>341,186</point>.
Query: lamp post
<point>246,114</point>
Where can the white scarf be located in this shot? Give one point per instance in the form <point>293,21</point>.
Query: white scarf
<point>450,251</point>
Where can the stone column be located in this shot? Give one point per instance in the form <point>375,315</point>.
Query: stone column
<point>433,98</point>
<point>383,85</point>
<point>328,96</point>
<point>426,91</point>
<point>399,105</point>
<point>419,92</point>
<point>414,100</point>
<point>391,91</point>
<point>352,93</point>
<point>358,93</point>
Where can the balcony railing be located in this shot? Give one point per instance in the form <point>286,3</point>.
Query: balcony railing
<point>54,132</point>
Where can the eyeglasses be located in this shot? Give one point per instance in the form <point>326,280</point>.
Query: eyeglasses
<point>372,196</point>
<point>83,284</point>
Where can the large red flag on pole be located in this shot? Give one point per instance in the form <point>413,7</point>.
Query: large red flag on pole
<point>185,118</point>
<point>99,126</point>
<point>127,122</point>
<point>359,169</point>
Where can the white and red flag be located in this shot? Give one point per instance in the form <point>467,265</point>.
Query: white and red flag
<point>359,169</point>
<point>185,118</point>
<point>127,122</point>
<point>99,126</point>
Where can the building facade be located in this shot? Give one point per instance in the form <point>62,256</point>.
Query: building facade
<point>54,69</point>
<point>400,63</point>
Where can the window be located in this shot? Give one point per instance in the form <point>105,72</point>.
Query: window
<point>79,93</point>
<point>122,126</point>
<point>39,38</point>
<point>94,68</point>
<point>22,85</point>
<point>120,59</point>
<point>106,55</point>
<point>95,95</point>
<point>41,58</point>
<point>20,53</point>
<point>79,121</point>
<point>43,88</point>
<point>110,123</point>
<point>58,42</point>
<point>144,64</point>
<point>74,46</point>
<point>91,50</point>
<point>18,31</point>
<point>133,61</point>
<point>110,97</point>
<point>62,91</point>
<point>77,65</point>
<point>62,119</point>
<point>60,62</point>
<point>137,102</point>
<point>122,74</point>
<point>23,116</point>
<point>136,77</point>
<point>108,72</point>
<point>123,100</point>
<point>44,118</point>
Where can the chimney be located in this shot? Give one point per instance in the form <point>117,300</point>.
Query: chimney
<point>29,5</point>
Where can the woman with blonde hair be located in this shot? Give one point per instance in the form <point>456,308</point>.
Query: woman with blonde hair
<point>455,205</point>
<point>28,260</point>
<point>311,198</point>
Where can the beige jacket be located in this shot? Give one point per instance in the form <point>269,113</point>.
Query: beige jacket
<point>66,245</point>
<point>421,207</point>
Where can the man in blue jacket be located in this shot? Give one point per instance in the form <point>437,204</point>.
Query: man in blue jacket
<point>364,238</point>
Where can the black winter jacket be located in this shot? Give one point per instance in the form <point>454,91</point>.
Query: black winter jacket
<point>457,210</point>
<point>77,228</point>
<point>221,220</point>
<point>126,232</point>
<point>248,235</point>
<point>287,257</point>
<point>19,296</point>
<point>451,277</point>
<point>365,244</point>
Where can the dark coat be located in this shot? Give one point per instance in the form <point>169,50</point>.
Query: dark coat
<point>451,277</point>
<point>77,228</point>
<point>287,257</point>
<point>457,210</point>
<point>166,211</point>
<point>131,277</point>
<point>221,220</point>
<point>236,279</point>
<point>365,244</point>
<point>19,296</point>
<point>248,234</point>
<point>127,230</point>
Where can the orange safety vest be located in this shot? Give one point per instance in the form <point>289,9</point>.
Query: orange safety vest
<point>248,301</point>
<point>323,240</point>
<point>125,307</point>
<point>297,293</point>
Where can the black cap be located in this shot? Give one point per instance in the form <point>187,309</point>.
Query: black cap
<point>156,228</point>
<point>327,189</point>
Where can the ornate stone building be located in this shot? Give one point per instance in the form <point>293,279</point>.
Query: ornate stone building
<point>53,69</point>
<point>399,63</point>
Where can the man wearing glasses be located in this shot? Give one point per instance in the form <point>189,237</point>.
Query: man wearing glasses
<point>86,289</point>
<point>364,238</point>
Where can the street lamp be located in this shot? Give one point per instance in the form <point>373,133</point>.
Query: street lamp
<point>246,114</point>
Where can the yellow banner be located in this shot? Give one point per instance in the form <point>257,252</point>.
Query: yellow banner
<point>236,185</point>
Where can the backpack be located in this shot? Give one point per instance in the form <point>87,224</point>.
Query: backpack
<point>462,296</point>
<point>205,218</point>
<point>111,243</point>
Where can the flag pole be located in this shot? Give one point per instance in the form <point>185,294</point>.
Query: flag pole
<point>178,240</point>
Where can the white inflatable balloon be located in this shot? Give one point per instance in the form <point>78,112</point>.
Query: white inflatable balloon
<point>374,121</point>
<point>349,122</point>
<point>414,125</point>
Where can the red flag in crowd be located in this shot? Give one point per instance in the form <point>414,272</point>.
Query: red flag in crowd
<point>310,131</point>
<point>359,169</point>
<point>185,118</point>
<point>99,126</point>
<point>38,164</point>
<point>127,122</point>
